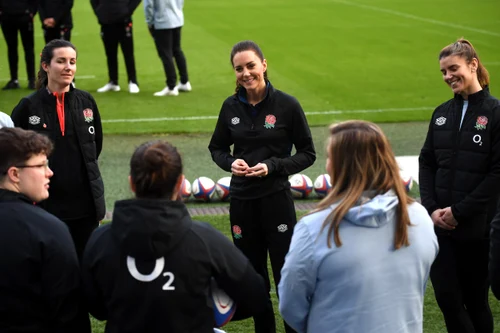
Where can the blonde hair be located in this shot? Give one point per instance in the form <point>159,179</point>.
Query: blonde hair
<point>464,49</point>
<point>361,160</point>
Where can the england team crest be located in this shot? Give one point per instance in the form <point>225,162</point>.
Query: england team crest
<point>88,114</point>
<point>481,123</point>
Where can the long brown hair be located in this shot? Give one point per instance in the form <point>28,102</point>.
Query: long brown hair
<point>464,49</point>
<point>361,159</point>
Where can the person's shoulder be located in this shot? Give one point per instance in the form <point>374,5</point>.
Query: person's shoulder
<point>314,221</point>
<point>36,217</point>
<point>418,214</point>
<point>282,96</point>
<point>445,105</point>
<point>83,93</point>
<point>230,100</point>
<point>207,233</point>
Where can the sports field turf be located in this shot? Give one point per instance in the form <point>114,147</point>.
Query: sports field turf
<point>364,59</point>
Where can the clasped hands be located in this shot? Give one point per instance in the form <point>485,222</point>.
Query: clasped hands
<point>241,168</point>
<point>444,218</point>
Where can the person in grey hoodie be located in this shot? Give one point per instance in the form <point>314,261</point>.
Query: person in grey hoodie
<point>165,19</point>
<point>360,261</point>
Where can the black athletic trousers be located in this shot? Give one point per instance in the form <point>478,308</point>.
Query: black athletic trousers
<point>80,230</point>
<point>112,35</point>
<point>168,45</point>
<point>459,276</point>
<point>59,32</point>
<point>260,226</point>
<point>11,25</point>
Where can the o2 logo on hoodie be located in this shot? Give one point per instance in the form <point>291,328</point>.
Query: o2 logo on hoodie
<point>157,271</point>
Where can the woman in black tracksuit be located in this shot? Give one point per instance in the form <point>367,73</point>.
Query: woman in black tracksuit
<point>70,118</point>
<point>460,187</point>
<point>150,270</point>
<point>263,124</point>
<point>56,18</point>
<point>17,16</point>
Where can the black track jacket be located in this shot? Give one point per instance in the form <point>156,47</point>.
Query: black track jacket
<point>76,189</point>
<point>114,11</point>
<point>267,137</point>
<point>18,7</point>
<point>40,286</point>
<point>60,10</point>
<point>150,270</point>
<point>461,167</point>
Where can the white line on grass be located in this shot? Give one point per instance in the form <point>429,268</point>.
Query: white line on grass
<point>312,113</point>
<point>417,18</point>
<point>78,77</point>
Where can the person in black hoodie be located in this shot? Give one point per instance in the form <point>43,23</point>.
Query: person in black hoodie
<point>460,186</point>
<point>70,118</point>
<point>17,16</point>
<point>264,124</point>
<point>115,18</point>
<point>153,255</point>
<point>40,285</point>
<point>56,19</point>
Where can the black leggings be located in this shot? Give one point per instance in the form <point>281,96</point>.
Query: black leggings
<point>459,276</point>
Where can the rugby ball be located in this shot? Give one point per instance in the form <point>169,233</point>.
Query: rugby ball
<point>300,185</point>
<point>407,180</point>
<point>224,306</point>
<point>203,189</point>
<point>322,185</point>
<point>185,190</point>
<point>222,188</point>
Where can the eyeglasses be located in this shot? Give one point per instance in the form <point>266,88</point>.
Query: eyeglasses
<point>44,165</point>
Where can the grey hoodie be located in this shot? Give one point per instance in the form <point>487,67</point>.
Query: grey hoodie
<point>164,14</point>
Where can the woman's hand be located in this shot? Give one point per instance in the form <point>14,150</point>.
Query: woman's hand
<point>239,167</point>
<point>259,170</point>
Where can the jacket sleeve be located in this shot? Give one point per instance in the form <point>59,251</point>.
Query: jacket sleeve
<point>427,167</point>
<point>97,127</point>
<point>93,294</point>
<point>479,198</point>
<point>302,140</point>
<point>298,279</point>
<point>33,7</point>
<point>236,276</point>
<point>61,284</point>
<point>132,5</point>
<point>149,11</point>
<point>57,12</point>
<point>221,142</point>
<point>19,114</point>
<point>495,256</point>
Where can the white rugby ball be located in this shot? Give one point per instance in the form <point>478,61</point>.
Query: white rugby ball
<point>203,189</point>
<point>322,185</point>
<point>222,188</point>
<point>185,190</point>
<point>300,185</point>
<point>224,306</point>
<point>407,180</point>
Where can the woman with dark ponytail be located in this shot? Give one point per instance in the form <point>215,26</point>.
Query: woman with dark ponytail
<point>264,124</point>
<point>70,118</point>
<point>460,188</point>
<point>155,255</point>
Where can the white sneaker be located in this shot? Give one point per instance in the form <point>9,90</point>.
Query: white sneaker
<point>167,92</point>
<point>109,87</point>
<point>184,87</point>
<point>133,88</point>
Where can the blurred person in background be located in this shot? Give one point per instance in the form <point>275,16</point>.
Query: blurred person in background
<point>263,124</point>
<point>71,119</point>
<point>152,253</point>
<point>115,18</point>
<point>360,261</point>
<point>460,187</point>
<point>165,19</point>
<point>17,16</point>
<point>5,120</point>
<point>56,18</point>
<point>40,288</point>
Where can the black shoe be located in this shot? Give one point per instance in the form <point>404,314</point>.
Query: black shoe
<point>31,85</point>
<point>12,84</point>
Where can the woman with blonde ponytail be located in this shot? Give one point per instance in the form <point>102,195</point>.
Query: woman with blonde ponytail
<point>359,261</point>
<point>460,188</point>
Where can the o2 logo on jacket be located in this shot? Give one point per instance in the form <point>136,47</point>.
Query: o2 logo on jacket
<point>157,271</point>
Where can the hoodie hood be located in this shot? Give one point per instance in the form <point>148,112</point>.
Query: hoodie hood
<point>372,210</point>
<point>149,228</point>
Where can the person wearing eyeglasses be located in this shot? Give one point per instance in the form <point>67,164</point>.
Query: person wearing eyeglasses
<point>70,118</point>
<point>40,284</point>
